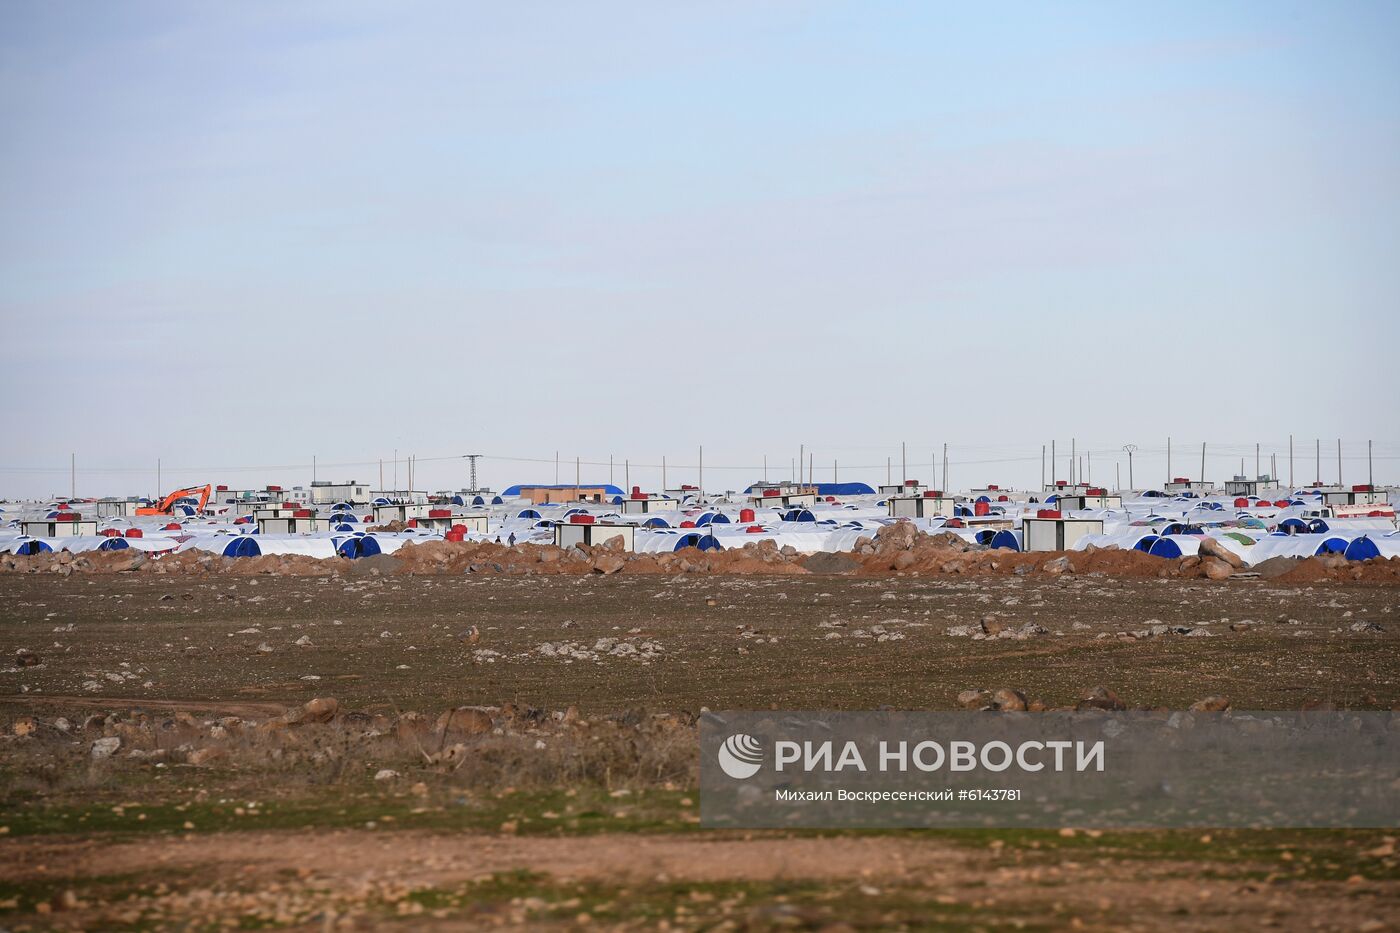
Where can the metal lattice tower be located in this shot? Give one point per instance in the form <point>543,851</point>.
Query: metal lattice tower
<point>472,459</point>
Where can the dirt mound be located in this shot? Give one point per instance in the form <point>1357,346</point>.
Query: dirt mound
<point>828,562</point>
<point>897,549</point>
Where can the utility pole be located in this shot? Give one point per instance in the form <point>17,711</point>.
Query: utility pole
<point>1370,471</point>
<point>663,473</point>
<point>765,468</point>
<point>627,474</point>
<point>1169,459</point>
<point>578,478</point>
<point>1339,461</point>
<point>471,460</point>
<point>157,478</point>
<point>1317,453</point>
<point>903,462</point>
<point>801,459</point>
<point>1290,463</point>
<point>889,471</point>
<point>313,468</point>
<point>1256,461</point>
<point>1118,476</point>
<point>1053,465</point>
<point>1089,462</point>
<point>1130,448</point>
<point>1042,466</point>
<point>811,468</point>
<point>73,475</point>
<point>1203,462</point>
<point>556,468</point>
<point>945,468</point>
<point>833,472</point>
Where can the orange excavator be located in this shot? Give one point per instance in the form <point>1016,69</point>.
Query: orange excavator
<point>169,501</point>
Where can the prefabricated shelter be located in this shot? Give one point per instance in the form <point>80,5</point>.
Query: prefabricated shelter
<point>570,533</point>
<point>931,504</point>
<point>783,497</point>
<point>63,525</point>
<point>1184,484</point>
<point>550,495</point>
<point>1063,488</point>
<point>1094,499</point>
<point>400,511</point>
<point>1050,531</point>
<point>1239,486</point>
<point>443,520</point>
<point>354,492</point>
<point>289,522</point>
<point>910,487</point>
<point>784,489</point>
<point>282,510</point>
<point>116,508</point>
<point>1357,495</point>
<point>645,505</point>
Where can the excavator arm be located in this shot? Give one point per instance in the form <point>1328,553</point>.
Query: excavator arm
<point>169,501</point>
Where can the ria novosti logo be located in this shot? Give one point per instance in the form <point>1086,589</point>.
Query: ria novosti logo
<point>741,756</point>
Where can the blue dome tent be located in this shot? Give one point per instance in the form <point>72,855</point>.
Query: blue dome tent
<point>1333,545</point>
<point>1363,548</point>
<point>1006,538</point>
<point>705,542</point>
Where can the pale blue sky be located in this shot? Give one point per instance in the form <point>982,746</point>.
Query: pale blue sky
<point>986,224</point>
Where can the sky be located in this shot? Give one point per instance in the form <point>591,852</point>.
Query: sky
<point>234,237</point>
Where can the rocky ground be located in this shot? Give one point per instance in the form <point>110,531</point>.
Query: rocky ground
<point>365,748</point>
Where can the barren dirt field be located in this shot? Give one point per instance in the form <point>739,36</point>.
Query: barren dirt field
<point>214,751</point>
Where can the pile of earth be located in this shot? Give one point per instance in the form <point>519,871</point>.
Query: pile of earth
<point>896,549</point>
